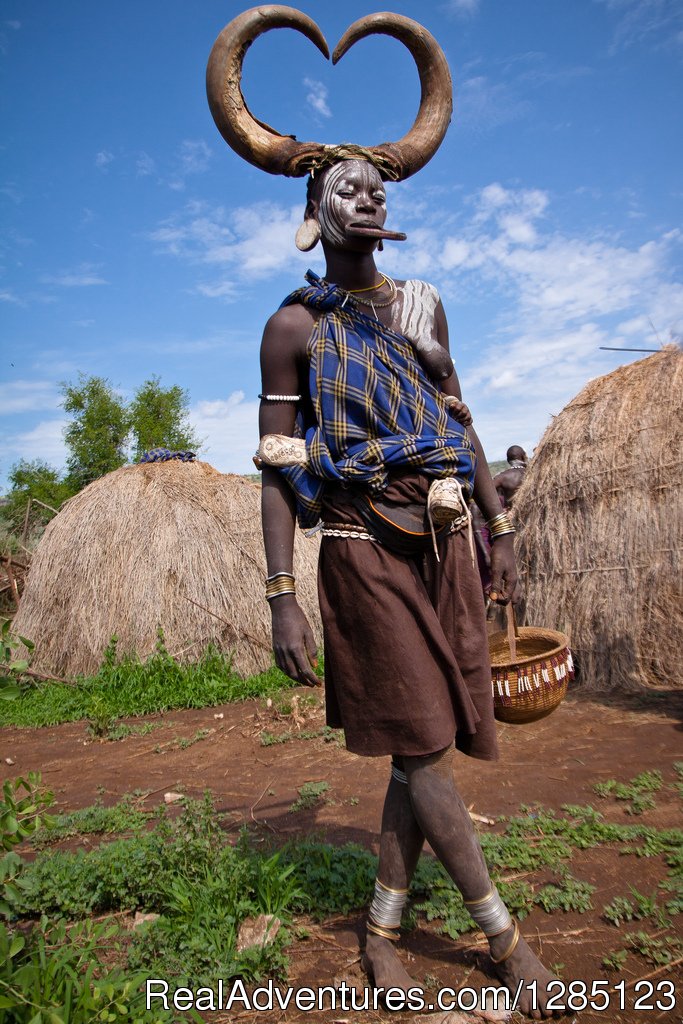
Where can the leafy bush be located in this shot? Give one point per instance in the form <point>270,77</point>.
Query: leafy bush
<point>52,972</point>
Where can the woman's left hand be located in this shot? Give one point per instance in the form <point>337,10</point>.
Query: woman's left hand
<point>503,570</point>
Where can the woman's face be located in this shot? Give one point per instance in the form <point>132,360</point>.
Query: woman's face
<point>351,194</point>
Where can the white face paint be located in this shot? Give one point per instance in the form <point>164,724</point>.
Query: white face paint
<point>352,192</point>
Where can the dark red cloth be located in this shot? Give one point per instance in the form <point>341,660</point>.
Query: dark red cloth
<point>406,655</point>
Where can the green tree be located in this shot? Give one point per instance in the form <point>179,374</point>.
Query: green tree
<point>159,418</point>
<point>37,480</point>
<point>98,436</point>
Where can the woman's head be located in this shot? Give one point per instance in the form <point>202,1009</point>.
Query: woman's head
<point>348,194</point>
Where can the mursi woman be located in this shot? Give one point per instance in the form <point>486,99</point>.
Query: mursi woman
<point>364,431</point>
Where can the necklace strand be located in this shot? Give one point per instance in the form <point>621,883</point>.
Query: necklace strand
<point>375,302</point>
<point>372,288</point>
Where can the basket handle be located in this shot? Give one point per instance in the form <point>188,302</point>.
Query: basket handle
<point>513,631</point>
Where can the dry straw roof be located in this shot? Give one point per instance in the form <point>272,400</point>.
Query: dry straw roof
<point>600,520</point>
<point>134,549</point>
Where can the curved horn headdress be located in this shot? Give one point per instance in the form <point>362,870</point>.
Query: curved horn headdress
<point>261,145</point>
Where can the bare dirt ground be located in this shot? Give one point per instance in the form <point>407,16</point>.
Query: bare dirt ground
<point>551,762</point>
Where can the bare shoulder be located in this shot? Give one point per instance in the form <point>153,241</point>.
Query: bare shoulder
<point>289,328</point>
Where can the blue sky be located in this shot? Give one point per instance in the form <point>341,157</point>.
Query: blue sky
<point>134,242</point>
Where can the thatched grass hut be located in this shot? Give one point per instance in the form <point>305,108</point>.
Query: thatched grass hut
<point>165,544</point>
<point>600,520</point>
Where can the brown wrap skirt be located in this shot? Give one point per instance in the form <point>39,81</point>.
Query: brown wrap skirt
<point>406,656</point>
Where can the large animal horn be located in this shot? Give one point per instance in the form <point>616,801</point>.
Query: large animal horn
<point>416,148</point>
<point>252,139</point>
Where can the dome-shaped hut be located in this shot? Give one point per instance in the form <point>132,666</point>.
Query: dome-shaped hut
<point>600,519</point>
<point>166,544</point>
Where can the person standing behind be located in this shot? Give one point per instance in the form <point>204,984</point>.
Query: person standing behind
<point>508,482</point>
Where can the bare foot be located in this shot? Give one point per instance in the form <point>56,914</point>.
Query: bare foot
<point>381,961</point>
<point>525,967</point>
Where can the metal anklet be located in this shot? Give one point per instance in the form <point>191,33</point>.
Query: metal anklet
<point>384,933</point>
<point>490,913</point>
<point>384,917</point>
<point>511,948</point>
<point>387,906</point>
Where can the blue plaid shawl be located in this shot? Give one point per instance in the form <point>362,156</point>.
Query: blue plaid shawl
<point>375,407</point>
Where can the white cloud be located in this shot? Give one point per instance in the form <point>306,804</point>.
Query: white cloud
<point>228,290</point>
<point>103,158</point>
<point>252,241</point>
<point>45,441</point>
<point>481,104</point>
<point>84,276</point>
<point>316,97</point>
<point>658,23</point>
<point>193,158</point>
<point>145,165</point>
<point>12,192</point>
<point>455,253</point>
<point>463,7</point>
<point>27,395</point>
<point>556,298</point>
<point>6,295</point>
<point>233,341</point>
<point>229,428</point>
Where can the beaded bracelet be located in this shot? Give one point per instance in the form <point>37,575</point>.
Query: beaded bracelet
<point>280,398</point>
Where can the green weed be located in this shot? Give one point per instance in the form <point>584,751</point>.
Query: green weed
<point>656,951</point>
<point>22,813</point>
<point>309,795</point>
<point>623,909</point>
<point>269,739</point>
<point>335,880</point>
<point>54,974</point>
<point>188,741</point>
<point>124,816</point>
<point>637,792</point>
<point>51,971</point>
<point>568,894</point>
<point>125,687</point>
<point>114,731</point>
<point>615,960</point>
<point>12,669</point>
<point>183,742</point>
<point>196,936</point>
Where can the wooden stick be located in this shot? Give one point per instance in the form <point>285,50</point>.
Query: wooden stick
<point>232,627</point>
<point>176,654</point>
<point>11,560</point>
<point>251,809</point>
<point>49,507</point>
<point>662,967</point>
<point>12,583</point>
<point>24,532</point>
<point>43,675</point>
<point>480,817</point>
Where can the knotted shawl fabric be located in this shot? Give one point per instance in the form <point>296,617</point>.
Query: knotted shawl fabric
<point>165,454</point>
<point>376,409</point>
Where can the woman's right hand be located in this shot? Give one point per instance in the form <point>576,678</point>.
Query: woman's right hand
<point>293,642</point>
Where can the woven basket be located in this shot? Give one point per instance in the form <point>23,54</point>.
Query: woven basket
<point>530,671</point>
